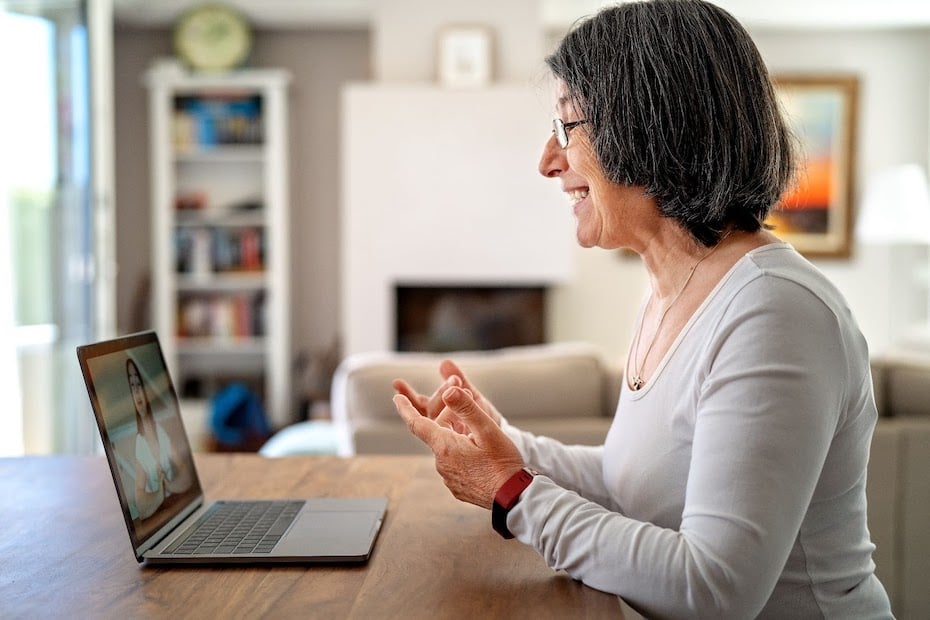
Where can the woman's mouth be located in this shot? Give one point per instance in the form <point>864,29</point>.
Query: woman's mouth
<point>577,195</point>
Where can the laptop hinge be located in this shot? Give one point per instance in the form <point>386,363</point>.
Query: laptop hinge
<point>168,528</point>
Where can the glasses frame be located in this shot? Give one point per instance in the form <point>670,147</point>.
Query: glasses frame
<point>560,128</point>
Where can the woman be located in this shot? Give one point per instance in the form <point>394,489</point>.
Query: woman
<point>158,466</point>
<point>732,481</point>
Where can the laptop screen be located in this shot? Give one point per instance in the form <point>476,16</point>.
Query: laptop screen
<point>140,425</point>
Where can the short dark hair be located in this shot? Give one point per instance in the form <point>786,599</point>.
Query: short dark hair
<point>678,100</point>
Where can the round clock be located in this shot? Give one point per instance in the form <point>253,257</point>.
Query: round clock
<point>213,37</point>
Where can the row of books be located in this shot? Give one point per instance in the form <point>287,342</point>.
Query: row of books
<point>221,316</point>
<point>206,250</point>
<point>212,121</point>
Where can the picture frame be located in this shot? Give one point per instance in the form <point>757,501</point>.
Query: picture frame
<point>464,56</point>
<point>816,215</point>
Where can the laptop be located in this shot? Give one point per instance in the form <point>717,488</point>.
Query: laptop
<point>168,518</point>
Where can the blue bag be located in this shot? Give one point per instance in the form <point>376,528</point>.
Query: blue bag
<point>237,418</point>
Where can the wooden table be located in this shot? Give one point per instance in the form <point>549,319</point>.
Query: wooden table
<point>64,551</point>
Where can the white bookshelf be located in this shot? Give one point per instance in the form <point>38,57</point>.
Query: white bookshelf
<point>220,256</point>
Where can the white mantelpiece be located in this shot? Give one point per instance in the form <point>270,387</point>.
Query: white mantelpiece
<point>441,187</point>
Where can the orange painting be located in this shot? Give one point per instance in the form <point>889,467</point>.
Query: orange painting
<point>815,214</point>
<point>815,189</point>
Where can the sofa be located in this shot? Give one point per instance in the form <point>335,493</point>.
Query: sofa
<point>898,485</point>
<point>563,391</point>
<point>569,391</point>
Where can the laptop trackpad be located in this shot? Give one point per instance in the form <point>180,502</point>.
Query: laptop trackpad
<point>334,533</point>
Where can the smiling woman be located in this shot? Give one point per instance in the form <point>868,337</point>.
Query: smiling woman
<point>732,480</point>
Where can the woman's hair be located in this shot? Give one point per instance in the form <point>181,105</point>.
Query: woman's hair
<point>131,368</point>
<point>678,99</point>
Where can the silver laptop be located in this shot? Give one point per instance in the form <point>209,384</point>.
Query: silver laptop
<point>168,519</point>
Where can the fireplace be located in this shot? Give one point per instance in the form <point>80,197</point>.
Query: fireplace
<point>460,318</point>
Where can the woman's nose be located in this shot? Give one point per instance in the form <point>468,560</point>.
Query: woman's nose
<point>552,163</point>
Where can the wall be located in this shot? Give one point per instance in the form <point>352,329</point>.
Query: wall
<point>405,36</point>
<point>456,201</point>
<point>599,303</point>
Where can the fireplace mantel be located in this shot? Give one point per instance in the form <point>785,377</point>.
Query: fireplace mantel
<point>441,186</point>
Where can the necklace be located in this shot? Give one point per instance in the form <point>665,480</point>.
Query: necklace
<point>636,380</point>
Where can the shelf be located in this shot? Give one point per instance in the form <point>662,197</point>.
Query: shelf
<point>221,346</point>
<point>220,154</point>
<point>220,217</point>
<point>222,282</point>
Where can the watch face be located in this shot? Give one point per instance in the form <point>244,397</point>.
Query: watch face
<point>213,38</point>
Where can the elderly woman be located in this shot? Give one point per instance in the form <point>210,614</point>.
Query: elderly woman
<point>732,481</point>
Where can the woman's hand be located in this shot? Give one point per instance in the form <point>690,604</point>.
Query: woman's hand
<point>431,406</point>
<point>473,455</point>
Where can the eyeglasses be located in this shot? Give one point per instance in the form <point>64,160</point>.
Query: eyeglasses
<point>561,129</point>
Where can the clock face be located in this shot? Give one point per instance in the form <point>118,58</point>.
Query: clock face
<point>213,38</point>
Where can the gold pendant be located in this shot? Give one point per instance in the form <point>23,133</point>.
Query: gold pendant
<point>637,383</point>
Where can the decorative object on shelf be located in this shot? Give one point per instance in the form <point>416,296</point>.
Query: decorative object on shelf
<point>203,122</point>
<point>213,37</point>
<point>816,215</point>
<point>464,58</point>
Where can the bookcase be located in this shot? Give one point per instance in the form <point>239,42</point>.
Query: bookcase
<point>220,252</point>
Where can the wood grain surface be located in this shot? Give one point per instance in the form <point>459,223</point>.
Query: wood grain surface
<point>64,550</point>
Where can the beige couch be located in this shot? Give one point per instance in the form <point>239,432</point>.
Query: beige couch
<point>563,391</point>
<point>899,482</point>
<point>567,391</point>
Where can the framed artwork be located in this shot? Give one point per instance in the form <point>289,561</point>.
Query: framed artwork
<point>464,56</point>
<point>816,216</point>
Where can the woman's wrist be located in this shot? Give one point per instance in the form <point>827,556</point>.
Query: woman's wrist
<point>507,496</point>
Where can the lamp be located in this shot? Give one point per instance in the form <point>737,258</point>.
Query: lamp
<point>895,210</point>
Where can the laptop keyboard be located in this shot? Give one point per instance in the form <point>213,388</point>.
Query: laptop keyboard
<point>233,528</point>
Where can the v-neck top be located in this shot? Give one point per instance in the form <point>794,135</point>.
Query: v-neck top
<point>733,483</point>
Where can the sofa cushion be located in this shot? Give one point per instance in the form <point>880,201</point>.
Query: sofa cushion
<point>907,389</point>
<point>901,385</point>
<point>562,389</point>
<point>561,380</point>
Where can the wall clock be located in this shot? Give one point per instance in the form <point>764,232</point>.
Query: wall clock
<point>213,37</point>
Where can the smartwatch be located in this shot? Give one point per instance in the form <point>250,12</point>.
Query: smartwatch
<point>507,497</point>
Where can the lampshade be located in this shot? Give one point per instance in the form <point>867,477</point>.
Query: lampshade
<point>895,207</point>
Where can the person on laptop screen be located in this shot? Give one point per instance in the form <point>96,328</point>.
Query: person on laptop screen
<point>159,469</point>
<point>167,516</point>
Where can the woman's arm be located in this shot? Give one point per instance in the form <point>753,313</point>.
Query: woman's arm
<point>767,412</point>
<point>576,468</point>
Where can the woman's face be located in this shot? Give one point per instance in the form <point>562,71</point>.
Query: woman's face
<point>135,387</point>
<point>604,211</point>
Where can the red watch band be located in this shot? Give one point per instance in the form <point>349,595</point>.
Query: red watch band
<point>507,497</point>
